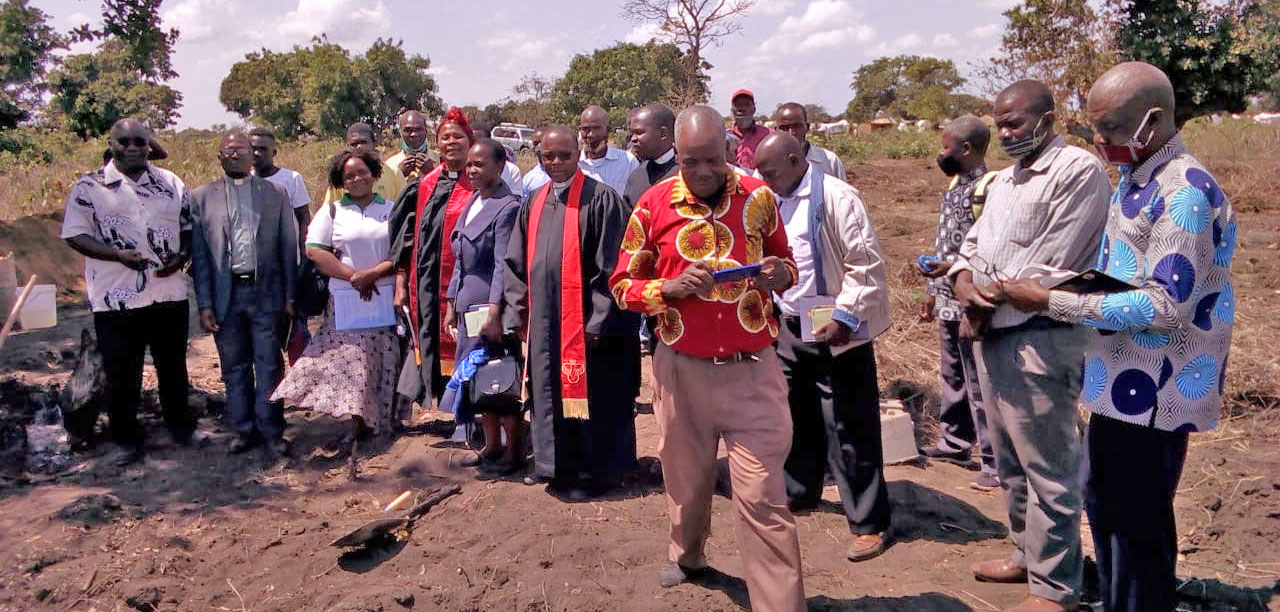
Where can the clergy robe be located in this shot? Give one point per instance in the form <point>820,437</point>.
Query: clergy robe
<point>604,443</point>
<point>448,197</point>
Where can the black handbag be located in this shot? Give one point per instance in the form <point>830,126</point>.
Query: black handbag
<point>495,387</point>
<point>311,294</point>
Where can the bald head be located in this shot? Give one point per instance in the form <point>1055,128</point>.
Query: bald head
<point>1122,97</point>
<point>559,153</point>
<point>968,129</point>
<point>700,150</point>
<point>1028,94</point>
<point>593,126</point>
<point>780,161</point>
<point>129,144</point>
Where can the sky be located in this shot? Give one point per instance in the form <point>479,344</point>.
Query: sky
<point>788,50</point>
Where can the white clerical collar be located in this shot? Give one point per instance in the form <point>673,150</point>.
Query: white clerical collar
<point>559,186</point>
<point>665,157</point>
<point>239,181</point>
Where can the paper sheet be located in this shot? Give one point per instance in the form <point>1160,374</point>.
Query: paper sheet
<point>350,312</point>
<point>474,320</point>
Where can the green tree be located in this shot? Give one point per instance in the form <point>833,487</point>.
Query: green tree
<point>909,86</point>
<point>1063,43</point>
<point>93,90</point>
<point>145,46</point>
<point>1217,56</point>
<point>620,78</point>
<point>27,43</point>
<point>321,89</point>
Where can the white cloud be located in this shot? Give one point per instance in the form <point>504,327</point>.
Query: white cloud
<point>824,24</point>
<point>899,45</point>
<point>439,70</point>
<point>642,33</point>
<point>1001,5</point>
<point>521,50</point>
<point>774,8</point>
<point>944,41</point>
<point>986,31</point>
<point>344,21</point>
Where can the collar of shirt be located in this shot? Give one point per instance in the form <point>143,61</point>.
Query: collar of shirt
<point>112,175</point>
<point>610,154</point>
<point>1046,158</point>
<point>680,192</point>
<point>802,190</point>
<point>736,131</point>
<point>970,176</point>
<point>664,158</point>
<point>1142,174</point>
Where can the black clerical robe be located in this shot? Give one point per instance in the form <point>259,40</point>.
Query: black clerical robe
<point>422,383</point>
<point>604,443</point>
<point>646,175</point>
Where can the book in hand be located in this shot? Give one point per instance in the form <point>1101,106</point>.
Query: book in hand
<point>474,320</point>
<point>736,274</point>
<point>1094,281</point>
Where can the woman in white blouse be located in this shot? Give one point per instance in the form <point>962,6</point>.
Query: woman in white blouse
<point>351,365</point>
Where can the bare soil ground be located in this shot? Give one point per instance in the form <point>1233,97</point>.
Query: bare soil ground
<point>201,530</point>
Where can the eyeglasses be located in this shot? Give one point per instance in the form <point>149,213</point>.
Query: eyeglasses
<point>985,268</point>
<point>136,141</point>
<point>230,151</point>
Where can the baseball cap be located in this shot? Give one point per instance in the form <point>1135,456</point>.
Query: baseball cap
<point>742,92</point>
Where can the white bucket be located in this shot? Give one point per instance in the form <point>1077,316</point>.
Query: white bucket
<point>41,308</point>
<point>897,436</point>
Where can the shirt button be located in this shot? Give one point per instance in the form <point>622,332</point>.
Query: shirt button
<point>721,349</point>
<point>719,316</point>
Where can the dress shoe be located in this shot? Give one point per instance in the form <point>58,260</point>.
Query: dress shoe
<point>868,546</point>
<point>999,570</point>
<point>1034,603</point>
<point>672,574</point>
<point>961,458</point>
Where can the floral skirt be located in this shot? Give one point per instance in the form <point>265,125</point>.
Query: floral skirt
<point>347,372</point>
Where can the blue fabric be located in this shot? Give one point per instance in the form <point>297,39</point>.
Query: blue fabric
<point>816,215</point>
<point>462,373</point>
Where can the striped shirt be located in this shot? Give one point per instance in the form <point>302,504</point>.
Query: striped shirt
<point>613,169</point>
<point>1160,356</point>
<point>1050,213</point>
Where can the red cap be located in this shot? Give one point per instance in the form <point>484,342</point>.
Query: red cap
<point>742,92</point>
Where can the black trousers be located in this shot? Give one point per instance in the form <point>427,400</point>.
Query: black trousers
<point>123,339</point>
<point>835,414</point>
<point>1131,475</point>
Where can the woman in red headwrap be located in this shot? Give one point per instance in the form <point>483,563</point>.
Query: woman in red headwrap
<point>421,223</point>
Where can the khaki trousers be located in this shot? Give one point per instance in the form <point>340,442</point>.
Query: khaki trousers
<point>698,403</point>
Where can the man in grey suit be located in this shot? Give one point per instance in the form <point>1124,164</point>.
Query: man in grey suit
<point>245,263</point>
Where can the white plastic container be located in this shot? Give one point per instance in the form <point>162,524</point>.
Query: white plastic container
<point>897,436</point>
<point>40,311</point>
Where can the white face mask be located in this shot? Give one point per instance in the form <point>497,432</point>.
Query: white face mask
<point>1023,147</point>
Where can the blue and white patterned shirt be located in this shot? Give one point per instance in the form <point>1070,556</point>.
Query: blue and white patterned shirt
<point>1160,356</point>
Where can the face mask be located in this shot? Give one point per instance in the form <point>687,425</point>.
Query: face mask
<point>1129,153</point>
<point>950,166</point>
<point>1019,149</point>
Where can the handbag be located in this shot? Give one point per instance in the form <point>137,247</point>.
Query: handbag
<point>495,387</point>
<point>311,294</point>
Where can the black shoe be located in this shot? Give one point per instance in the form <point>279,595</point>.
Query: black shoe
<point>801,506</point>
<point>672,574</point>
<point>127,455</point>
<point>278,448</point>
<point>193,439</point>
<point>242,444</point>
<point>961,458</point>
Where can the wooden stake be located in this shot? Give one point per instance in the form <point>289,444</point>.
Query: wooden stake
<point>17,308</point>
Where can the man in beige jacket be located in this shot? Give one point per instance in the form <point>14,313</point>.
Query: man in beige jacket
<point>830,319</point>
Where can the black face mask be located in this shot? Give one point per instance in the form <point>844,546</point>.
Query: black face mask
<point>950,166</point>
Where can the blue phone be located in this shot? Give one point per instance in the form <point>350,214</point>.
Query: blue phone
<point>927,263</point>
<point>736,274</point>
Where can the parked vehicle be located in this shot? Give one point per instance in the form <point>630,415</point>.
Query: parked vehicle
<point>517,136</point>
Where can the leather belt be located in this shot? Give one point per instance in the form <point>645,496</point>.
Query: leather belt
<point>738,357</point>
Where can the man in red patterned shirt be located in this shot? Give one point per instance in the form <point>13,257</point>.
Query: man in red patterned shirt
<point>715,370</point>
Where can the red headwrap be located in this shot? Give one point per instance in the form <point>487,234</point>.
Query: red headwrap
<point>456,116</point>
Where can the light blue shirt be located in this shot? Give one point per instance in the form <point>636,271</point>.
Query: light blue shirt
<point>613,169</point>
<point>533,179</point>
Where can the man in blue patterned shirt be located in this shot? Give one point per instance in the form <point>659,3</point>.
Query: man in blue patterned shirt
<point>963,421</point>
<point>1155,368</point>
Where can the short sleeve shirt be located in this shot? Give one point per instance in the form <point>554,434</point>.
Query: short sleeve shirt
<point>359,237</point>
<point>148,216</point>
<point>293,185</point>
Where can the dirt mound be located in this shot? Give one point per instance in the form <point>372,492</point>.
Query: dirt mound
<point>36,245</point>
